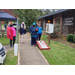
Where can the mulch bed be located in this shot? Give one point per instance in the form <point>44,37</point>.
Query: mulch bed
<point>62,40</point>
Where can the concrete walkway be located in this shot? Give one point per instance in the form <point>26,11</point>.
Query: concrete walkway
<point>30,55</point>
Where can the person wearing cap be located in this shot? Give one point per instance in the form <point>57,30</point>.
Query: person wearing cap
<point>10,33</point>
<point>22,31</point>
<point>33,30</point>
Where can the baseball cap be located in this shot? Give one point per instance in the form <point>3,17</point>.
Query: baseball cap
<point>34,24</point>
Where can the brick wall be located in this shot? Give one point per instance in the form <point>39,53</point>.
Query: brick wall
<point>58,16</point>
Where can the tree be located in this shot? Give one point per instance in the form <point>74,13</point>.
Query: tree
<point>31,15</point>
<point>27,15</point>
<point>42,12</point>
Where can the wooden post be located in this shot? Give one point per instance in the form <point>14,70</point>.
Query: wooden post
<point>49,38</point>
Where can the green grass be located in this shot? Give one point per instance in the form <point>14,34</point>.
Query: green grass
<point>59,54</point>
<point>10,58</point>
<point>6,41</point>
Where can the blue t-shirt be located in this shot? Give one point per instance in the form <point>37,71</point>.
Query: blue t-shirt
<point>40,30</point>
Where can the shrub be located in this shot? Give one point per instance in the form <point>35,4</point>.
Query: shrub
<point>74,38</point>
<point>56,31</point>
<point>53,35</point>
<point>70,37</point>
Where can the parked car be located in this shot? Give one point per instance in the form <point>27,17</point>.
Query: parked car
<point>2,54</point>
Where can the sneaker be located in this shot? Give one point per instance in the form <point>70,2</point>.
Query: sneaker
<point>34,45</point>
<point>11,46</point>
<point>21,42</point>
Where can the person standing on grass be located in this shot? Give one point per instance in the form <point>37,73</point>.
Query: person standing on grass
<point>10,33</point>
<point>14,34</point>
<point>33,30</point>
<point>5,25</point>
<point>22,31</point>
<point>39,33</point>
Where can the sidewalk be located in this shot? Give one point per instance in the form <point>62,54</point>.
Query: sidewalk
<point>30,55</point>
<point>7,47</point>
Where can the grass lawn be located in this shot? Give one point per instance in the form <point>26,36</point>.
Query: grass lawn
<point>6,41</point>
<point>10,58</point>
<point>59,54</point>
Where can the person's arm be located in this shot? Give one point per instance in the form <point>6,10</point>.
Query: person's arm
<point>20,30</point>
<point>8,31</point>
<point>29,30</point>
<point>41,28</point>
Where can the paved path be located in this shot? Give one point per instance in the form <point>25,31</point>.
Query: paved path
<point>8,47</point>
<point>30,55</point>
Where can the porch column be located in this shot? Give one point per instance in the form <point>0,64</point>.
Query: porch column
<point>54,19</point>
<point>44,24</point>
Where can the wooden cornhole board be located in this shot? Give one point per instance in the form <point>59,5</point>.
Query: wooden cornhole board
<point>42,45</point>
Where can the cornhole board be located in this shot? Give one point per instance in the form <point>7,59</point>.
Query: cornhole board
<point>42,45</point>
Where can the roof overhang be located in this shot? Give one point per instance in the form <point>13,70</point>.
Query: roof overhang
<point>53,13</point>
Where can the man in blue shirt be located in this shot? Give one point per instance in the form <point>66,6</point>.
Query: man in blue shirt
<point>5,26</point>
<point>33,30</point>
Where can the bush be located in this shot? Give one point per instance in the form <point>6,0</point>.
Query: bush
<point>53,35</point>
<point>74,38</point>
<point>70,37</point>
<point>56,31</point>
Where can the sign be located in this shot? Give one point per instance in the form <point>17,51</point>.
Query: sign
<point>49,28</point>
<point>42,45</point>
<point>68,21</point>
